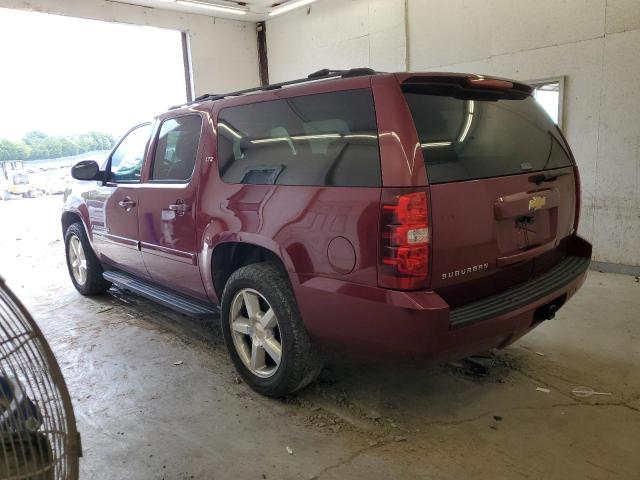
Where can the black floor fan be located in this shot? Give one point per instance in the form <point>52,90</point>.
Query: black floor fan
<point>38,436</point>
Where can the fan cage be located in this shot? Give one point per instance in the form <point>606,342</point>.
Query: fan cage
<point>38,436</point>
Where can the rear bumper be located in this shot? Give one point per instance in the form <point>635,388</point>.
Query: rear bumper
<point>420,326</point>
<point>548,283</point>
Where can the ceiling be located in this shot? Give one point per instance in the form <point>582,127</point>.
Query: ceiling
<point>257,9</point>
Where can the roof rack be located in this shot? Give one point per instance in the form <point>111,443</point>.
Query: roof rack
<point>323,74</point>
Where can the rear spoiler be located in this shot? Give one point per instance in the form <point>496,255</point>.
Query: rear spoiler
<point>467,82</point>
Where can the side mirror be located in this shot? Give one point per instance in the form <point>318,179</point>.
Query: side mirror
<point>87,170</point>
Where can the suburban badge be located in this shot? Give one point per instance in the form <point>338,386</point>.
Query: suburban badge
<point>465,271</point>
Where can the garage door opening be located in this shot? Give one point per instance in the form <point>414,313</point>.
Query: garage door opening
<point>71,87</point>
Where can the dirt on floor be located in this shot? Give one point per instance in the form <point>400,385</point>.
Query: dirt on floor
<point>157,398</point>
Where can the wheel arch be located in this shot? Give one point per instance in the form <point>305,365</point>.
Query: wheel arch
<point>227,257</point>
<point>222,254</point>
<point>70,217</point>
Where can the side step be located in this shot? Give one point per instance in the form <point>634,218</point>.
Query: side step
<point>175,301</point>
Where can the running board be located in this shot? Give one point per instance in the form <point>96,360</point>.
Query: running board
<point>175,301</point>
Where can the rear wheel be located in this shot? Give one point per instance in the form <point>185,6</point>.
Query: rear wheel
<point>264,333</point>
<point>84,267</point>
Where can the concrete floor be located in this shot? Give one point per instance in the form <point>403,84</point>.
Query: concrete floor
<point>142,417</point>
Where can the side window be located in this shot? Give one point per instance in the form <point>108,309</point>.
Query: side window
<point>322,139</point>
<point>126,160</point>
<point>175,156</point>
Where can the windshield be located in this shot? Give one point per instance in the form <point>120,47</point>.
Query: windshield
<point>467,138</point>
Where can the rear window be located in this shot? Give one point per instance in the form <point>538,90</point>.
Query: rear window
<point>467,138</point>
<point>324,139</point>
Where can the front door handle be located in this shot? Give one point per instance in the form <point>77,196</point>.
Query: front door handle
<point>179,208</point>
<point>127,203</point>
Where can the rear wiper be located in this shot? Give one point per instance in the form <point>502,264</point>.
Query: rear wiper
<point>546,177</point>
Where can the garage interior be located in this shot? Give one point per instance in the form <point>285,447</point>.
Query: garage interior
<point>154,392</point>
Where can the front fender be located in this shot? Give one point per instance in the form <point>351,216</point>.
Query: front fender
<point>80,210</point>
<point>74,203</point>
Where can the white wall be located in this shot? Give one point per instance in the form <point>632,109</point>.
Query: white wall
<point>337,34</point>
<point>224,53</point>
<point>594,43</point>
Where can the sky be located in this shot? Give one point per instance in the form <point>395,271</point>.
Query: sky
<point>67,76</point>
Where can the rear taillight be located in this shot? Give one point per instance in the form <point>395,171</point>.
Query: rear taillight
<point>576,220</point>
<point>404,240</point>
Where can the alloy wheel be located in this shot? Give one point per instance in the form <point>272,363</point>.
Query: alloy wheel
<point>255,332</point>
<point>77,260</point>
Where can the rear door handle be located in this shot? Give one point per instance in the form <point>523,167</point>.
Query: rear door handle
<point>546,177</point>
<point>180,208</point>
<point>127,203</point>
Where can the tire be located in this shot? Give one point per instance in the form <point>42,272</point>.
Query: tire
<point>93,283</point>
<point>299,361</point>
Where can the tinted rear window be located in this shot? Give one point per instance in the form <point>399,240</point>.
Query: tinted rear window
<point>324,139</point>
<point>466,138</point>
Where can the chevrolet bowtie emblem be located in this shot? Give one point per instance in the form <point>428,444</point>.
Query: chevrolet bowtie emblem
<point>536,203</point>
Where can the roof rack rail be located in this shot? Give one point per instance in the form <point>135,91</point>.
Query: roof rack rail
<point>323,74</point>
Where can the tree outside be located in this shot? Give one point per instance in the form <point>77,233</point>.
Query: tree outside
<point>37,145</point>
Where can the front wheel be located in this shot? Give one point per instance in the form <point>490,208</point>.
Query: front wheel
<point>84,267</point>
<point>264,333</point>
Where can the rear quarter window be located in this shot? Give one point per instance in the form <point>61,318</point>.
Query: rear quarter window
<point>467,138</point>
<point>324,139</point>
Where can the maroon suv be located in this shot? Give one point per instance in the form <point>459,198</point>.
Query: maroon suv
<point>416,215</point>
